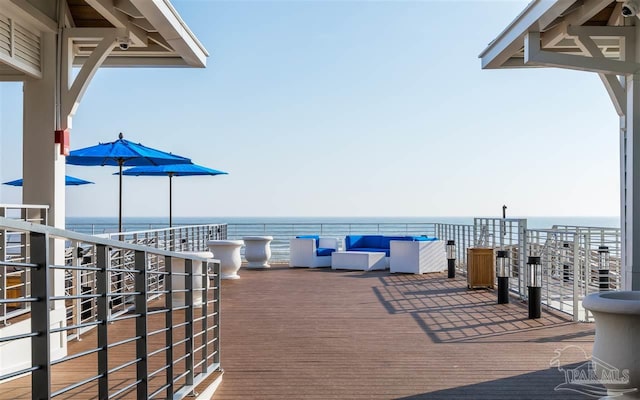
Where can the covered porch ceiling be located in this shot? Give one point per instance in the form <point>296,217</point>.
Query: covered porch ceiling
<point>152,32</point>
<point>572,28</point>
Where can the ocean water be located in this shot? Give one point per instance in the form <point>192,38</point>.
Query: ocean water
<point>132,224</point>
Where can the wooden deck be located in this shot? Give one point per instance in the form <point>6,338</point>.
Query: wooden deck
<point>324,334</point>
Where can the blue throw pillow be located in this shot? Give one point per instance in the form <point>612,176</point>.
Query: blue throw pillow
<point>324,251</point>
<point>352,241</point>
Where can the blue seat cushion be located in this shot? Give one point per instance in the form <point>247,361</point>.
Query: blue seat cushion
<point>378,243</point>
<point>373,241</point>
<point>316,237</point>
<point>324,251</point>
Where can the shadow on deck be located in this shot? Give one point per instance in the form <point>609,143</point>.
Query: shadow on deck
<point>323,334</point>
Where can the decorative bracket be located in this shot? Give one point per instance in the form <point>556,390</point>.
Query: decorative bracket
<point>584,40</point>
<point>534,55</point>
<point>71,92</point>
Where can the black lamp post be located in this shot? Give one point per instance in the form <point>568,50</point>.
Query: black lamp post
<point>451,258</point>
<point>603,268</point>
<point>502,271</point>
<point>566,271</point>
<point>534,267</point>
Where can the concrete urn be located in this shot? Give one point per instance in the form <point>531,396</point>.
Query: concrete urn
<point>228,252</point>
<point>616,349</point>
<point>257,251</point>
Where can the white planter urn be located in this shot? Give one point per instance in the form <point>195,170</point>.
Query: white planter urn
<point>257,251</point>
<point>228,253</point>
<point>178,281</point>
<point>616,349</point>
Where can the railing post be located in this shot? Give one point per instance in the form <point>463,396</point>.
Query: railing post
<point>523,244</point>
<point>587,263</point>
<point>216,311</point>
<point>204,281</point>
<point>140,265</point>
<point>3,279</point>
<point>475,231</point>
<point>25,243</point>
<point>577,276</point>
<point>102,315</point>
<point>40,309</point>
<point>168,286</point>
<point>188,316</point>
<point>77,286</point>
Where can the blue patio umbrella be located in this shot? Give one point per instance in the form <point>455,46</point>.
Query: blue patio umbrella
<point>171,171</point>
<point>68,181</point>
<point>122,153</point>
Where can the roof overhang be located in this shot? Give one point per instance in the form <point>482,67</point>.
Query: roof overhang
<point>166,20</point>
<point>571,28</point>
<point>154,33</point>
<point>157,35</point>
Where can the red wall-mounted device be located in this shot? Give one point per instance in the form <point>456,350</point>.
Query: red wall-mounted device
<point>62,138</point>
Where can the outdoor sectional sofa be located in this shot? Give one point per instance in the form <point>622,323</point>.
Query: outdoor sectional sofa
<point>408,254</point>
<point>377,243</point>
<point>311,251</point>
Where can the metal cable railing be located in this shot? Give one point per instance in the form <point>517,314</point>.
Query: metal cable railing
<point>571,264</point>
<point>180,238</point>
<point>462,235</point>
<point>161,344</point>
<point>567,251</point>
<point>14,247</point>
<point>570,257</point>
<point>82,281</point>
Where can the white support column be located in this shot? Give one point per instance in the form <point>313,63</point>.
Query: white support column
<point>630,188</point>
<point>630,169</point>
<point>48,106</point>
<point>43,166</point>
<point>44,170</point>
<point>623,199</point>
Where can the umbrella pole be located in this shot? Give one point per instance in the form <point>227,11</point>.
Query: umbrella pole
<point>120,201</point>
<point>170,201</point>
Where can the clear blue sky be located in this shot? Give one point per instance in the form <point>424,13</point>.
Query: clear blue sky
<point>346,109</point>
